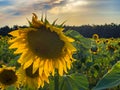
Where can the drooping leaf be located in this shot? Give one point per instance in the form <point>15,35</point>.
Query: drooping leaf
<point>111,79</point>
<point>74,34</point>
<point>78,37</point>
<point>74,82</point>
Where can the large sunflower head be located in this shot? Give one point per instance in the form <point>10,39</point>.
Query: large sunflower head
<point>8,77</point>
<point>44,46</point>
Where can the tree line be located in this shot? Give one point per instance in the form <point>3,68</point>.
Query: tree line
<point>6,29</point>
<point>104,31</point>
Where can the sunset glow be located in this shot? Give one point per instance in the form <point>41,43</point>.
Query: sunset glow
<point>76,12</point>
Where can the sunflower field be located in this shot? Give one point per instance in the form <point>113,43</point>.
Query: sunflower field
<point>43,57</point>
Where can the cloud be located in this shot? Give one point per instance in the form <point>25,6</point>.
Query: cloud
<point>74,10</point>
<point>53,6</point>
<point>11,7</point>
<point>70,6</point>
<point>20,9</point>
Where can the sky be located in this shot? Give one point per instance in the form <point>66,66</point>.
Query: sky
<point>74,12</point>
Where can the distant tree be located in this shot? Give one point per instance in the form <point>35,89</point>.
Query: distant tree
<point>104,31</point>
<point>4,30</point>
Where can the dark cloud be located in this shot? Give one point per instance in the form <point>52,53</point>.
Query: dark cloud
<point>49,4</point>
<point>16,13</point>
<point>104,5</point>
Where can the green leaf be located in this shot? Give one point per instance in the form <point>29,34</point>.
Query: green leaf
<point>11,88</point>
<point>51,85</point>
<point>78,37</point>
<point>74,34</point>
<point>74,82</point>
<point>111,79</point>
<point>54,22</point>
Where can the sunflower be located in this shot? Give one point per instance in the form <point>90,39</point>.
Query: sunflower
<point>111,48</point>
<point>118,43</point>
<point>107,41</point>
<point>30,80</point>
<point>98,41</point>
<point>94,50</point>
<point>44,46</point>
<point>8,77</point>
<point>95,36</point>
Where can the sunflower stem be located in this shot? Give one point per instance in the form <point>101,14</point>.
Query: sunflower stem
<point>56,81</point>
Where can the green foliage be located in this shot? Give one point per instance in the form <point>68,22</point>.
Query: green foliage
<point>11,88</point>
<point>97,64</point>
<point>74,81</point>
<point>94,58</point>
<point>111,79</point>
<point>6,55</point>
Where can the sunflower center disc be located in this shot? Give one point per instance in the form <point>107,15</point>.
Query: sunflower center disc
<point>8,77</point>
<point>45,43</point>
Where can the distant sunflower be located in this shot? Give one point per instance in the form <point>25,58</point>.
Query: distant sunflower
<point>111,48</point>
<point>98,41</point>
<point>44,46</point>
<point>107,41</point>
<point>118,43</point>
<point>112,38</point>
<point>95,36</point>
<point>30,80</point>
<point>8,77</point>
<point>94,49</point>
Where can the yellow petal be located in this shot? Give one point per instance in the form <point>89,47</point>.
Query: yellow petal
<point>39,82</point>
<point>27,64</point>
<point>46,71</point>
<point>64,67</point>
<point>51,65</point>
<point>68,61</point>
<point>71,47</point>
<point>60,70</point>
<point>45,78</point>
<point>25,56</point>
<point>20,50</point>
<point>36,65</point>
<point>14,45</point>
<point>17,45</point>
<point>56,64</point>
<point>41,67</point>
<point>35,22</point>
<point>69,65</point>
<point>15,33</point>
<point>14,40</point>
<point>70,39</point>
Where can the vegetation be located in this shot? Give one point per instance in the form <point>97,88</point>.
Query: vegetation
<point>97,63</point>
<point>104,31</point>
